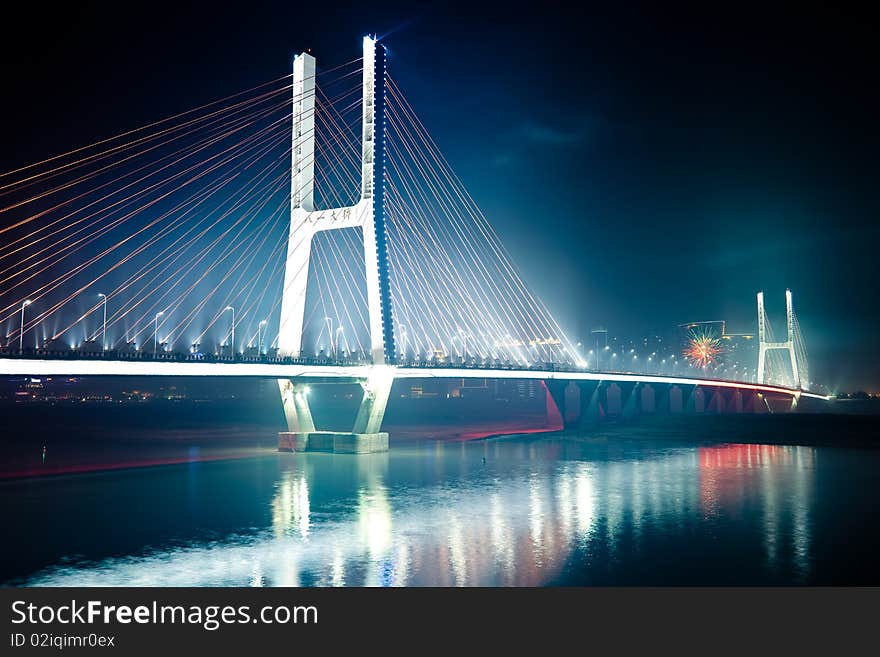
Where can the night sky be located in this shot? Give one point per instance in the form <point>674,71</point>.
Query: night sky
<point>645,167</point>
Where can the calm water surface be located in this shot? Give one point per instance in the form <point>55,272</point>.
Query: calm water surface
<point>537,511</point>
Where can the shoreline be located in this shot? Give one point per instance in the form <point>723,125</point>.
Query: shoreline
<point>808,430</point>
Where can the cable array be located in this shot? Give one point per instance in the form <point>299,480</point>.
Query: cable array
<point>173,237</point>
<point>456,291</point>
<point>164,228</point>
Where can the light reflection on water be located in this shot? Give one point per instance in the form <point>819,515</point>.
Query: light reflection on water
<point>533,513</point>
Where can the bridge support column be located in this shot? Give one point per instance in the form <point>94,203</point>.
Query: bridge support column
<point>735,404</point>
<point>756,403</point>
<point>578,410</point>
<point>557,394</point>
<point>591,414</point>
<point>675,397</point>
<point>631,407</point>
<point>294,398</point>
<point>648,400</point>
<point>715,401</point>
<point>613,400</point>
<point>302,436</point>
<point>377,389</point>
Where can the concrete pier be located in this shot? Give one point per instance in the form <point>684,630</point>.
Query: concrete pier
<point>335,442</point>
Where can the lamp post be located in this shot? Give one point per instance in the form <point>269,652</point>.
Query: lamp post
<point>600,333</point>
<point>339,331</point>
<point>329,321</point>
<point>233,328</point>
<point>104,326</point>
<point>21,331</point>
<point>156,334</point>
<point>261,336</point>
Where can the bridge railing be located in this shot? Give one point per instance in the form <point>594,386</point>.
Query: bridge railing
<point>349,359</point>
<point>346,360</point>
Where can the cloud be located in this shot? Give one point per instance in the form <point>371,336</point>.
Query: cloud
<point>550,135</point>
<point>518,142</point>
<point>505,160</point>
<point>547,134</point>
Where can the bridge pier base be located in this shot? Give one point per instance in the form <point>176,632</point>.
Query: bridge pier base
<point>336,442</point>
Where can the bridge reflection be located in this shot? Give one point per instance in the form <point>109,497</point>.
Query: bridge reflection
<point>522,518</point>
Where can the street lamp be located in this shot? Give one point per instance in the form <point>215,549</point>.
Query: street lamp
<point>329,321</point>
<point>21,331</point>
<point>104,329</point>
<point>339,331</point>
<point>233,327</point>
<point>156,333</point>
<point>453,339</point>
<point>261,336</point>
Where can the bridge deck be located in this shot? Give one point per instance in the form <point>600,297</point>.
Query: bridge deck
<point>93,367</point>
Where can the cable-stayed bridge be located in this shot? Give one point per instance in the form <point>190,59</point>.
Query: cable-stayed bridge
<point>308,229</point>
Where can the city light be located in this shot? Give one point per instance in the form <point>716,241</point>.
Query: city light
<point>232,329</point>
<point>156,334</point>
<point>24,305</point>
<point>103,296</point>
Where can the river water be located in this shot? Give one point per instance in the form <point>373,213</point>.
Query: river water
<point>530,510</point>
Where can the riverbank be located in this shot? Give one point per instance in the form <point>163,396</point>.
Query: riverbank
<point>825,430</point>
<point>48,439</point>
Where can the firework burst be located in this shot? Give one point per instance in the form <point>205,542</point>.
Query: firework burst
<point>703,349</point>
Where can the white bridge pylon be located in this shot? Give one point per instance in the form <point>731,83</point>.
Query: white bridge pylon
<point>367,214</point>
<point>306,221</point>
<point>788,345</point>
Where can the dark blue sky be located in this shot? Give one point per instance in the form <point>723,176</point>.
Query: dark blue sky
<point>644,166</point>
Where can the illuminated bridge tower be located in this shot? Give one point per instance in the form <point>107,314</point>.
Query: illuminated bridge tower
<point>368,214</point>
<point>766,343</point>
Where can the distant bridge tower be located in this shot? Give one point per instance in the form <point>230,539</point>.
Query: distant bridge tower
<point>766,343</point>
<point>367,214</point>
